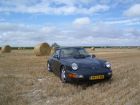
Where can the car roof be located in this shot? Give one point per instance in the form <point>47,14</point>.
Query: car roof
<point>67,47</point>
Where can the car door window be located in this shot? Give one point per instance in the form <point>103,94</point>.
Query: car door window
<point>56,53</point>
<point>66,53</point>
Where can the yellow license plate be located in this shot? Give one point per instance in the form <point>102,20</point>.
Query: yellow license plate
<point>97,77</point>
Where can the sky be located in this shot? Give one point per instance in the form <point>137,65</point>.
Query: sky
<point>70,22</point>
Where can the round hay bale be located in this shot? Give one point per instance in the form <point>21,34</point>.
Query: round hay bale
<point>19,48</point>
<point>93,48</point>
<point>52,50</point>
<point>138,48</point>
<point>6,49</point>
<point>42,49</point>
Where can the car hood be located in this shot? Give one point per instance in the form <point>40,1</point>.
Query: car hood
<point>87,62</point>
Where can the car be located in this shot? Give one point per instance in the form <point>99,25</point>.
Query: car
<point>76,64</point>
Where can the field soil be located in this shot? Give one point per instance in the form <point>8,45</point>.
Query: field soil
<point>24,80</point>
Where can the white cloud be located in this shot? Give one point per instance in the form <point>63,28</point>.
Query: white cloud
<point>134,21</point>
<point>83,21</point>
<point>133,11</point>
<point>111,32</point>
<point>52,7</point>
<point>98,8</point>
<point>97,34</point>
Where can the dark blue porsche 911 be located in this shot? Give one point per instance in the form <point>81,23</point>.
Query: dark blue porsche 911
<point>74,63</point>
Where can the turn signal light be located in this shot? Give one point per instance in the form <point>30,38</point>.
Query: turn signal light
<point>72,75</point>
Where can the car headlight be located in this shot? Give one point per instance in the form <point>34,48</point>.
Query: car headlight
<point>74,66</point>
<point>108,65</point>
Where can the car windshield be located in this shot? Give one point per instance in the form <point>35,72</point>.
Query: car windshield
<point>74,52</point>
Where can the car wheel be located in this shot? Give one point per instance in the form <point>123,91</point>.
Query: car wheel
<point>49,67</point>
<point>63,76</point>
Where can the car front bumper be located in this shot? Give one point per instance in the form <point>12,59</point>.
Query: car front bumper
<point>89,77</point>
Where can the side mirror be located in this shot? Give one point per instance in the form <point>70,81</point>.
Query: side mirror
<point>56,56</point>
<point>93,56</point>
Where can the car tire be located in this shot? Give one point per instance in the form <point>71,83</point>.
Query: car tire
<point>63,76</point>
<point>49,67</point>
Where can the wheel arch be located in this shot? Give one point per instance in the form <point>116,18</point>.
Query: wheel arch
<point>62,65</point>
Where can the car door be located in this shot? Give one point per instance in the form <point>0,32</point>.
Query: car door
<point>56,62</point>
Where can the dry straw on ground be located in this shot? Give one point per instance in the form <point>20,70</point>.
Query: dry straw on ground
<point>42,49</point>
<point>6,49</point>
<point>24,80</point>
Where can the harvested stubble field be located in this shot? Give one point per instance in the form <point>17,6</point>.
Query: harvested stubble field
<point>24,80</point>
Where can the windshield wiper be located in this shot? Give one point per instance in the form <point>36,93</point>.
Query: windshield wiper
<point>87,55</point>
<point>80,56</point>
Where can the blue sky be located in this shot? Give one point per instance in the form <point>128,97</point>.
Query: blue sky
<point>70,22</point>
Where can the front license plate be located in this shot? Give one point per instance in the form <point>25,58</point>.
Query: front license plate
<point>97,77</point>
